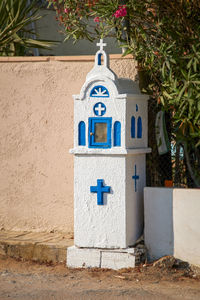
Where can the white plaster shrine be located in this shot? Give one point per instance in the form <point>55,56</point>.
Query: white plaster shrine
<point>110,145</point>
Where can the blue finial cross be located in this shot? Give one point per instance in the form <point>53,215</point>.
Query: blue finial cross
<point>135,177</point>
<point>100,190</point>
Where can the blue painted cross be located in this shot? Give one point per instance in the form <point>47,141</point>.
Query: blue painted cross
<point>99,109</point>
<point>100,190</point>
<point>135,177</point>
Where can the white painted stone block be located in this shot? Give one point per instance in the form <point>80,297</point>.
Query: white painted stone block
<point>83,258</point>
<point>158,221</point>
<point>100,258</point>
<point>186,216</point>
<point>117,260</point>
<point>171,218</point>
<point>119,222</point>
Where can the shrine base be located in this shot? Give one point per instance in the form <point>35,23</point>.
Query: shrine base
<point>104,258</point>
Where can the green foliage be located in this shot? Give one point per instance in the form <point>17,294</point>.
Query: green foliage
<point>16,17</point>
<point>164,37</point>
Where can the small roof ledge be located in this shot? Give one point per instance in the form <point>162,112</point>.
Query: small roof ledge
<point>112,151</point>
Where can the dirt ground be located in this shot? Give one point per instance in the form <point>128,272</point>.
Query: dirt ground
<point>29,280</point>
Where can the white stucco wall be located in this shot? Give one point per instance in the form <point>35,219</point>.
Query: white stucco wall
<point>187,225</point>
<point>36,133</point>
<point>172,223</point>
<point>158,221</point>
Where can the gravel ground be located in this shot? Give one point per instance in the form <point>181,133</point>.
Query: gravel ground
<point>29,280</point>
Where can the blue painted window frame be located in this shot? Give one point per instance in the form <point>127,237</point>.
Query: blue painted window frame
<point>117,134</point>
<point>81,134</point>
<point>91,132</point>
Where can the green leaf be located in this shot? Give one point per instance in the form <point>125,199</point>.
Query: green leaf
<point>182,91</point>
<point>189,63</point>
<point>15,17</point>
<point>127,51</point>
<point>167,95</point>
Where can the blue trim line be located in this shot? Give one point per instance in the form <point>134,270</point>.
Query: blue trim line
<point>81,134</point>
<point>133,127</point>
<point>91,132</point>
<point>95,107</point>
<point>99,91</point>
<point>136,177</point>
<point>139,128</point>
<point>136,107</point>
<point>100,190</point>
<point>117,134</point>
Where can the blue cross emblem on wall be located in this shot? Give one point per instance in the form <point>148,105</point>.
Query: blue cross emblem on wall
<point>100,190</point>
<point>135,177</point>
<point>99,109</point>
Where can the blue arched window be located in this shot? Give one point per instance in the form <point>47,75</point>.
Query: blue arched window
<point>139,128</point>
<point>81,133</point>
<point>133,127</point>
<point>99,59</point>
<point>117,133</point>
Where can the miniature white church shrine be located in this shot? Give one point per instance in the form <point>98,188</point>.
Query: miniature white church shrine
<point>110,145</point>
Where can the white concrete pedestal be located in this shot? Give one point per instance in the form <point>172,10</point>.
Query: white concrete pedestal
<point>104,258</point>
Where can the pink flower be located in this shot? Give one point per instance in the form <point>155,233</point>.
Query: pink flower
<point>121,12</point>
<point>66,10</point>
<point>97,19</point>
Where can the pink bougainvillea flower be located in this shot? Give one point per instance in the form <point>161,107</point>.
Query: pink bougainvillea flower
<point>121,12</point>
<point>66,10</point>
<point>97,19</point>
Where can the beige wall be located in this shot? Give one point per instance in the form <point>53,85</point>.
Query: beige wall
<point>36,133</point>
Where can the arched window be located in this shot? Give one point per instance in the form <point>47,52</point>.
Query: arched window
<point>99,59</point>
<point>81,133</point>
<point>117,133</point>
<point>139,128</point>
<point>133,127</point>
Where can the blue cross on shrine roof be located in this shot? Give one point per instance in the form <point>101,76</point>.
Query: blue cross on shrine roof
<point>100,190</point>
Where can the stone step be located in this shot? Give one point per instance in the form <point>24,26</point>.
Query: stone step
<point>104,258</point>
<point>36,246</point>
